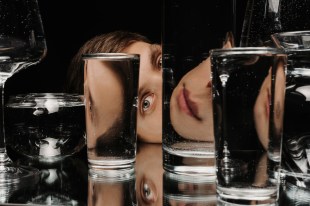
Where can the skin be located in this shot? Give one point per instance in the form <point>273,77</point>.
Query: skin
<point>105,193</point>
<point>149,119</point>
<point>149,115</point>
<point>191,103</point>
<point>149,174</point>
<point>98,77</point>
<point>261,107</point>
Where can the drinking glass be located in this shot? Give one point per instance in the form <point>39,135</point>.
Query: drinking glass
<point>189,32</point>
<point>22,44</point>
<point>110,92</point>
<point>296,139</point>
<point>248,87</point>
<point>45,127</point>
<point>265,17</point>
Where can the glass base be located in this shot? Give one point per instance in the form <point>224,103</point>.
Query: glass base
<point>247,195</point>
<point>11,174</point>
<point>186,164</point>
<point>223,202</point>
<point>112,174</point>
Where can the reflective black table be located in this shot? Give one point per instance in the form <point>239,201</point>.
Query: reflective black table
<point>68,183</point>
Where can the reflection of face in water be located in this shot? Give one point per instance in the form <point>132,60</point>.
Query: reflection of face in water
<point>191,102</point>
<point>149,174</point>
<point>104,96</point>
<point>261,108</point>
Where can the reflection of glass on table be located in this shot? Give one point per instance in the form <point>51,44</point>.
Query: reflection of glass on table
<point>188,190</point>
<point>111,191</point>
<point>62,183</point>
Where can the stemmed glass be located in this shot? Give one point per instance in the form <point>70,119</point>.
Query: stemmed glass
<point>265,17</point>
<point>22,43</point>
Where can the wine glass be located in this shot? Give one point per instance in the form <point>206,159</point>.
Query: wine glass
<point>265,17</point>
<point>22,43</point>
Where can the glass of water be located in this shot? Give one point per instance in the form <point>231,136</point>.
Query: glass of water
<point>248,86</point>
<point>111,94</point>
<point>296,140</point>
<point>45,127</point>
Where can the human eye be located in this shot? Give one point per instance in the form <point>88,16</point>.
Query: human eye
<point>148,192</point>
<point>147,102</point>
<point>159,61</point>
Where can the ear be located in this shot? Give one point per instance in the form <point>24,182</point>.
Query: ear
<point>229,41</point>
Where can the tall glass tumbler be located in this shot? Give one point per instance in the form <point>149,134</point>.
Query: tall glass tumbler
<point>110,92</point>
<point>248,87</point>
<point>296,139</point>
<point>189,32</point>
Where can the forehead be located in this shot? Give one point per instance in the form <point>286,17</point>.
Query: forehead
<point>138,47</point>
<point>143,48</point>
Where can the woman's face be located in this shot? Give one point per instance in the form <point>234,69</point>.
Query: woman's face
<point>191,104</point>
<point>102,106</point>
<point>149,119</point>
<point>191,112</point>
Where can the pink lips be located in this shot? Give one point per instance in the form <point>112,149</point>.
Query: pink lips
<point>186,105</point>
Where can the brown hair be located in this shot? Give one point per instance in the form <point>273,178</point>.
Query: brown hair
<point>111,42</point>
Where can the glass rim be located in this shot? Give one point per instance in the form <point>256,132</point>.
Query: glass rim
<point>110,56</point>
<point>291,33</point>
<point>248,50</point>
<point>46,95</point>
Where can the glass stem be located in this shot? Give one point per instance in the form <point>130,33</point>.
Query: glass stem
<point>4,158</point>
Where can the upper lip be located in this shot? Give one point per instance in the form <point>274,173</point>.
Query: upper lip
<point>187,105</point>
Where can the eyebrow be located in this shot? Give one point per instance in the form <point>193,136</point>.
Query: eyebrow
<point>155,52</point>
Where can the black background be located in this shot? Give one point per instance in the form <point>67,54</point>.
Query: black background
<point>68,24</point>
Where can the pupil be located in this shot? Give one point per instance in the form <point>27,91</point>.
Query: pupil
<point>146,104</point>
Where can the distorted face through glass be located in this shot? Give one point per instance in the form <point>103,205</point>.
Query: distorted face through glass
<point>262,104</point>
<point>103,88</point>
<point>191,102</point>
<point>111,89</point>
